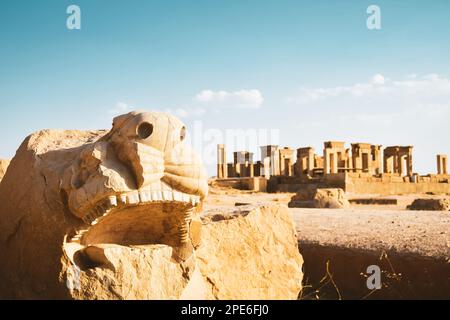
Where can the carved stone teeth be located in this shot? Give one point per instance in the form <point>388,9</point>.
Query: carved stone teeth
<point>112,201</point>
<point>94,214</point>
<point>133,198</point>
<point>88,218</point>
<point>186,197</point>
<point>99,211</point>
<point>167,195</point>
<point>143,196</point>
<point>148,195</point>
<point>183,229</point>
<point>177,196</point>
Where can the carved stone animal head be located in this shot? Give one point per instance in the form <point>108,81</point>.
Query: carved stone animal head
<point>93,199</point>
<point>137,185</point>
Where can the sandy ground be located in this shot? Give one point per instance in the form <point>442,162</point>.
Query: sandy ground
<point>424,233</point>
<point>366,227</point>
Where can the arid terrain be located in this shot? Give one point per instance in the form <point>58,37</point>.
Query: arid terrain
<point>411,247</point>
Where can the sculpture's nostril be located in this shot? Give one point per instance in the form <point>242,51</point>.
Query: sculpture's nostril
<point>145,130</point>
<point>182,133</point>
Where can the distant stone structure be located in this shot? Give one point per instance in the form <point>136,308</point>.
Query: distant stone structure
<point>394,160</point>
<point>222,169</point>
<point>366,158</point>
<point>363,168</point>
<point>442,162</point>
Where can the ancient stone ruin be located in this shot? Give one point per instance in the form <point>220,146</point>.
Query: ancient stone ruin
<point>430,205</point>
<point>116,215</point>
<point>363,168</point>
<point>319,198</point>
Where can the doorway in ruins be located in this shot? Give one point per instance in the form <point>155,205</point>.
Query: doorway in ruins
<point>365,162</point>
<point>403,166</point>
<point>287,165</point>
<point>333,168</point>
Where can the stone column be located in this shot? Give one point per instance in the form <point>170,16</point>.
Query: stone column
<point>409,161</point>
<point>326,161</point>
<point>311,161</point>
<point>222,170</point>
<point>251,170</point>
<point>266,167</point>
<point>444,165</point>
<point>356,158</point>
<point>376,163</point>
<point>385,164</point>
<point>334,165</point>
<point>442,162</point>
<point>275,163</point>
<point>439,164</point>
<point>400,165</point>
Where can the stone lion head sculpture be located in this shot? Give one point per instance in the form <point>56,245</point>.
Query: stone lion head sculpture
<point>78,206</point>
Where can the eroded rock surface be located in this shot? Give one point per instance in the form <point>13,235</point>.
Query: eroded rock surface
<point>251,252</point>
<point>430,204</point>
<point>3,166</point>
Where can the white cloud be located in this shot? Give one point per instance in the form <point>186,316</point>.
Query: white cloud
<point>378,79</point>
<point>120,108</point>
<point>242,98</point>
<point>412,87</point>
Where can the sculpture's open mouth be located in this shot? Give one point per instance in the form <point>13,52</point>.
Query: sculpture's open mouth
<point>135,219</point>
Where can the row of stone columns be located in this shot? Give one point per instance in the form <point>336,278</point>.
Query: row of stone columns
<point>365,158</point>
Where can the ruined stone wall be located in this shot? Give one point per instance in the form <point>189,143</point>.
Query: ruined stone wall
<point>247,183</point>
<point>293,184</point>
<point>390,185</point>
<point>365,183</point>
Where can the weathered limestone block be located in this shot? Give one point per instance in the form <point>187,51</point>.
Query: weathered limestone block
<point>319,198</point>
<point>430,204</point>
<point>239,258</point>
<point>3,166</point>
<point>251,253</point>
<point>116,215</point>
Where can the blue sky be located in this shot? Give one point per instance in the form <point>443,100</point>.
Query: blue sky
<point>310,70</point>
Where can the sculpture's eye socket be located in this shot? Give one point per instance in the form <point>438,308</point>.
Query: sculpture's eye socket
<point>182,133</point>
<point>145,130</point>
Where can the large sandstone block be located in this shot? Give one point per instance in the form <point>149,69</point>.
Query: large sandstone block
<point>430,204</point>
<point>332,198</point>
<point>116,215</point>
<point>251,253</point>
